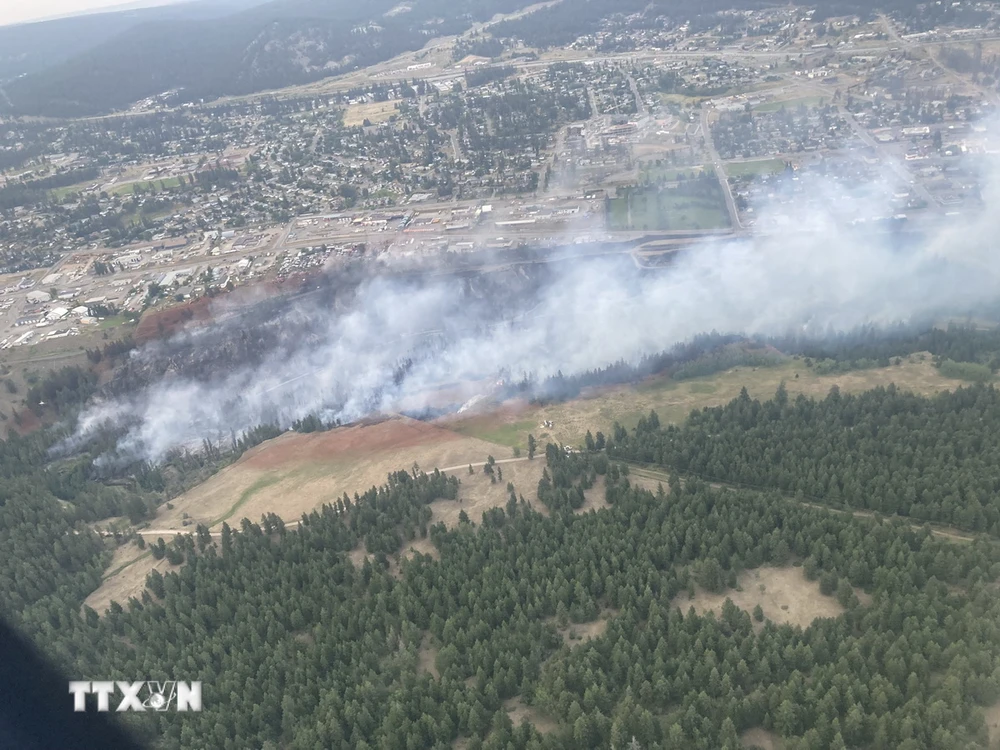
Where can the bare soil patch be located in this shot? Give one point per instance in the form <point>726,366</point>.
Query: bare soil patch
<point>577,633</point>
<point>784,594</point>
<point>594,498</point>
<point>761,738</point>
<point>427,657</point>
<point>358,555</point>
<point>518,711</point>
<point>992,715</point>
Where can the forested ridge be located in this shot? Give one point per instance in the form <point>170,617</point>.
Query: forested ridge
<point>299,648</point>
<point>302,642</point>
<point>932,459</point>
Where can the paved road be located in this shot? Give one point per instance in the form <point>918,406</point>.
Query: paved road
<point>720,169</point>
<point>640,105</point>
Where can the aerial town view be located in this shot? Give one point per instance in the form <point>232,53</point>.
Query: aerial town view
<point>490,374</point>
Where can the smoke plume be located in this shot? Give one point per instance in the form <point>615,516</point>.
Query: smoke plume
<point>394,341</point>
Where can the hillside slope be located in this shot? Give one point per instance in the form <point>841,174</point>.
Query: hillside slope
<point>277,44</point>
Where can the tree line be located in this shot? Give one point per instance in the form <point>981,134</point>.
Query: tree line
<point>886,450</point>
<point>299,647</point>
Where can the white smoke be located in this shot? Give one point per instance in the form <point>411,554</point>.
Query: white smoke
<point>821,273</point>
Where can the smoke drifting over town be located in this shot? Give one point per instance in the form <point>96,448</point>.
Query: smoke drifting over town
<point>391,342</point>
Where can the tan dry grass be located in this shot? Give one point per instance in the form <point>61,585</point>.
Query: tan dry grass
<point>576,633</point>
<point>478,494</point>
<point>518,711</point>
<point>673,401</point>
<point>992,717</point>
<point>422,546</point>
<point>124,555</point>
<point>294,474</point>
<point>788,597</point>
<point>128,582</point>
<point>374,112</point>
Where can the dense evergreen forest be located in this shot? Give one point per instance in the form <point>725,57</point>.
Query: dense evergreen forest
<point>301,646</point>
<point>933,459</point>
<point>298,648</point>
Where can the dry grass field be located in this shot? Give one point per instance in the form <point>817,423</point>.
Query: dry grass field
<point>126,577</point>
<point>374,112</point>
<point>785,595</point>
<point>674,400</point>
<point>296,473</point>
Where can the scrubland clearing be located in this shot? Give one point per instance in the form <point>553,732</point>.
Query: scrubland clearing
<point>784,594</point>
<point>296,473</point>
<point>674,400</point>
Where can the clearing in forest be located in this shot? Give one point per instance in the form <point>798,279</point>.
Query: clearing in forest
<point>518,712</point>
<point>476,495</point>
<point>992,715</point>
<point>784,594</point>
<point>762,739</point>
<point>125,579</point>
<point>595,498</point>
<point>427,657</point>
<point>574,633</point>
<point>374,112</point>
<point>296,473</point>
<point>673,400</point>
